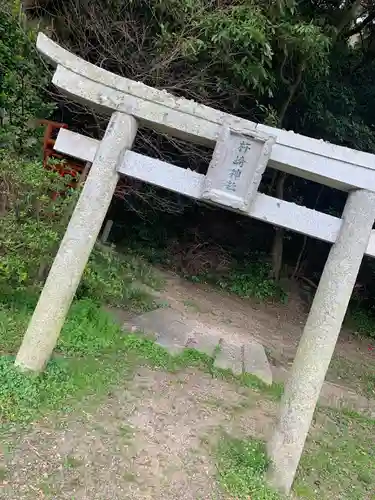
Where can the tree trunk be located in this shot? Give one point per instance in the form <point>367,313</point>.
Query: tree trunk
<point>299,259</point>
<point>278,240</point>
<point>278,243</point>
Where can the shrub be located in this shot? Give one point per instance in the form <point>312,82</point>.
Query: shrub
<point>23,80</point>
<point>252,280</point>
<point>32,226</point>
<point>31,222</point>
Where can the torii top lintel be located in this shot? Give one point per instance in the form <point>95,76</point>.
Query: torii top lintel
<point>313,159</point>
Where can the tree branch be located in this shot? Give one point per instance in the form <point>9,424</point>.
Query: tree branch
<point>359,27</point>
<point>291,92</point>
<point>347,17</point>
<point>283,78</point>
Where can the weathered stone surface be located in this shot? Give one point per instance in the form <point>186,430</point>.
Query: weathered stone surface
<point>204,343</point>
<point>236,168</point>
<point>302,156</point>
<point>319,339</point>
<point>256,362</point>
<point>174,332</point>
<point>159,321</point>
<point>173,341</point>
<point>167,326</point>
<point>75,248</point>
<point>229,357</point>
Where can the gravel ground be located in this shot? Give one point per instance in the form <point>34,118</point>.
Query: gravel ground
<point>150,439</point>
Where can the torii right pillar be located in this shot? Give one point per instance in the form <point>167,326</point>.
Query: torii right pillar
<point>319,339</point>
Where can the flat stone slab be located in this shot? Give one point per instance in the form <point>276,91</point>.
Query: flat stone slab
<point>167,326</point>
<point>229,357</point>
<point>204,343</point>
<point>256,362</point>
<point>174,341</point>
<point>174,332</point>
<point>157,322</point>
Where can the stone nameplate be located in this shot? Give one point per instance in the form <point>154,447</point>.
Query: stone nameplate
<point>236,168</point>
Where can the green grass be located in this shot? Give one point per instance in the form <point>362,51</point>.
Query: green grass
<point>13,323</point>
<point>339,459</point>
<point>91,356</point>
<point>361,321</point>
<point>117,279</point>
<point>88,331</point>
<point>360,377</point>
<point>338,462</point>
<point>25,397</point>
<point>241,465</point>
<point>252,279</point>
<point>71,462</point>
<point>109,278</point>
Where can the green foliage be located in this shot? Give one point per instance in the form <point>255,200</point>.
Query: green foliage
<point>307,41</point>
<point>237,37</point>
<point>252,280</point>
<point>23,80</point>
<point>103,277</point>
<point>334,107</point>
<point>32,226</point>
<point>92,353</point>
<point>112,278</point>
<point>88,331</point>
<point>13,323</point>
<point>239,43</point>
<point>249,276</point>
<point>338,461</point>
<point>230,53</point>
<point>246,280</point>
<point>21,395</point>
<point>31,223</point>
<point>363,321</point>
<point>241,465</point>
<point>25,397</point>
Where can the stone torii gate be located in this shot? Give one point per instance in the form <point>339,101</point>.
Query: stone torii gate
<point>242,150</point>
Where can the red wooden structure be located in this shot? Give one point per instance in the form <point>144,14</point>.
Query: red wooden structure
<point>68,166</point>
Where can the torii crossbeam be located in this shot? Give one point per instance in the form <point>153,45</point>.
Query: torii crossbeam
<point>242,150</point>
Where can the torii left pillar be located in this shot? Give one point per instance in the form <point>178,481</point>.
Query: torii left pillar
<point>82,231</point>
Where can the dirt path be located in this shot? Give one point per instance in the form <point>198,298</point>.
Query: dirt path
<point>277,326</point>
<point>153,435</point>
<point>146,440</point>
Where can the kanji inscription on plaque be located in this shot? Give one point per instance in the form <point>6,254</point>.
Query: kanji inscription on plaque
<point>236,168</point>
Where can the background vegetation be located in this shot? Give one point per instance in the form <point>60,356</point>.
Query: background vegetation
<point>305,66</point>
